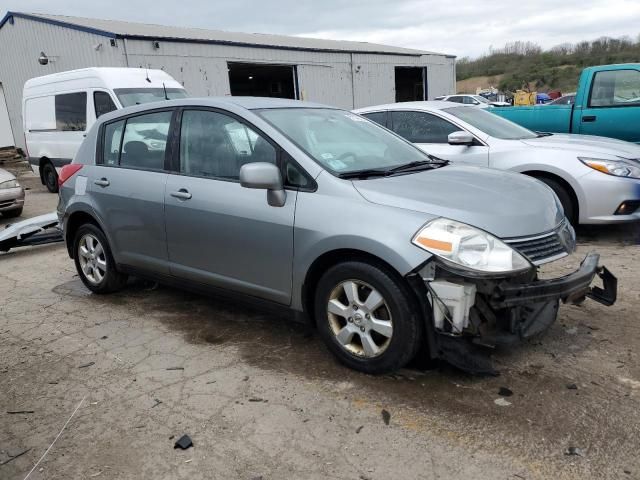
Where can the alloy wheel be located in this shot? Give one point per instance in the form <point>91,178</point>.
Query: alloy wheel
<point>93,260</point>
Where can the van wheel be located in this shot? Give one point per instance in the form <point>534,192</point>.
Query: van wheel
<point>367,317</point>
<point>50,177</point>
<point>94,262</point>
<point>565,198</point>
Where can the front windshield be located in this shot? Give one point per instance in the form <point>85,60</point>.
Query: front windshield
<point>340,141</point>
<point>138,96</point>
<point>481,99</point>
<point>491,124</point>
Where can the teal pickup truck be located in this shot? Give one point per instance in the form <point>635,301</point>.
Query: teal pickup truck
<point>607,104</point>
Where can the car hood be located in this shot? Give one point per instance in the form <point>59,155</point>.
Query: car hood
<point>5,176</point>
<point>587,145</point>
<point>502,203</point>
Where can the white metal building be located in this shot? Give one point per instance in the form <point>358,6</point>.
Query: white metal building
<point>214,63</point>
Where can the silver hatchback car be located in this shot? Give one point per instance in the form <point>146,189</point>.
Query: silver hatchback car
<point>384,247</point>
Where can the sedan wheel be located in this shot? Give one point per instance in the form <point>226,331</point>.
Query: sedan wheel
<point>367,316</point>
<point>360,318</point>
<point>92,259</point>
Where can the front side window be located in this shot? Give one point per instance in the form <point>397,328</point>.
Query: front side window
<point>421,127</point>
<point>102,103</point>
<point>138,96</point>
<point>615,88</point>
<point>378,117</point>
<point>145,141</point>
<point>71,112</point>
<point>340,141</point>
<point>216,145</point>
<point>490,123</point>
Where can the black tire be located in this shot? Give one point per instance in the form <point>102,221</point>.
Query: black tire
<point>570,210</point>
<point>111,280</point>
<point>50,177</point>
<point>407,334</point>
<point>12,213</point>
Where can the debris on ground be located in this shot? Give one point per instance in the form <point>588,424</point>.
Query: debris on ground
<point>258,399</point>
<point>505,392</point>
<point>386,416</point>
<point>85,365</point>
<point>502,402</point>
<point>157,402</point>
<point>359,429</point>
<point>13,457</point>
<point>574,451</point>
<point>183,442</point>
<point>572,386</point>
<point>104,337</point>
<point>175,368</point>
<point>16,412</point>
<point>572,330</point>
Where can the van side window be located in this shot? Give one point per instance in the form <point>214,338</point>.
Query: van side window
<point>145,141</point>
<point>102,103</point>
<point>111,143</point>
<point>71,111</point>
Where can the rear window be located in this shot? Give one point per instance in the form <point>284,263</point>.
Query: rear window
<point>71,111</point>
<point>138,96</point>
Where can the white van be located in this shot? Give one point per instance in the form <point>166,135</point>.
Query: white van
<point>58,109</point>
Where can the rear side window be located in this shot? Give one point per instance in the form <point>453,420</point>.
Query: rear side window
<point>420,127</point>
<point>102,103</point>
<point>138,142</point>
<point>71,111</point>
<point>378,117</point>
<point>615,88</point>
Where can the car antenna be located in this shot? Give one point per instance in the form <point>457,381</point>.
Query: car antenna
<point>166,97</point>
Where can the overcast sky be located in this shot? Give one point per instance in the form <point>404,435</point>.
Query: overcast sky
<point>462,28</point>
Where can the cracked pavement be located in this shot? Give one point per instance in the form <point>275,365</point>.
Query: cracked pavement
<point>260,396</point>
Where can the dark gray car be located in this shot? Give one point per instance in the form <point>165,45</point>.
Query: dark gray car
<point>386,248</point>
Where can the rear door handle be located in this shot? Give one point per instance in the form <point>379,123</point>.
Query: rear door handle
<point>589,118</point>
<point>182,194</point>
<point>103,182</point>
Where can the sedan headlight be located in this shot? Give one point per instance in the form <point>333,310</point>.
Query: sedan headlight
<point>469,247</point>
<point>9,184</point>
<point>618,168</point>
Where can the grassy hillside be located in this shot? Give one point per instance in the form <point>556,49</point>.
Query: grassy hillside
<point>520,64</point>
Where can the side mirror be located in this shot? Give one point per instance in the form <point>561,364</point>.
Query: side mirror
<point>460,138</point>
<point>264,176</point>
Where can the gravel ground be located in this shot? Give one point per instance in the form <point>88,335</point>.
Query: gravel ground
<point>261,397</point>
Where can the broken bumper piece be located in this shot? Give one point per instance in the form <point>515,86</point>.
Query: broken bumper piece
<point>572,288</point>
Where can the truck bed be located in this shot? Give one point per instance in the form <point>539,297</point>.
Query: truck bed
<point>540,118</point>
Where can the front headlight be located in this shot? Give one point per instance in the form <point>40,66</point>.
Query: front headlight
<point>9,184</point>
<point>618,168</point>
<point>469,247</point>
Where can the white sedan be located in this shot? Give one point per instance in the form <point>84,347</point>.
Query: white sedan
<point>596,179</point>
<point>477,100</point>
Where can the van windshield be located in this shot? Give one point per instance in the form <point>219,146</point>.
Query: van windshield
<point>138,96</point>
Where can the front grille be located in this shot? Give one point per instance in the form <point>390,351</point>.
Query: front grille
<point>543,248</point>
<point>7,203</point>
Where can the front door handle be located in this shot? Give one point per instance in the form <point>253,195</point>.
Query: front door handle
<point>589,118</point>
<point>182,194</point>
<point>103,182</point>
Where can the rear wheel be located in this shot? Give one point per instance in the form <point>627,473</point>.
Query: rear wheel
<point>367,317</point>
<point>570,210</point>
<point>94,262</point>
<point>12,213</point>
<point>50,177</point>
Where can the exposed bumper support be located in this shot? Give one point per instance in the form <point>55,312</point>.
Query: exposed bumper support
<point>570,288</point>
<point>33,231</point>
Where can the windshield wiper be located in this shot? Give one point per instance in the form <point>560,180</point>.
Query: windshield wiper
<point>370,172</point>
<point>543,134</point>
<point>433,162</point>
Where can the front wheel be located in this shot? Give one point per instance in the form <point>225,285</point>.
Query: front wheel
<point>565,198</point>
<point>12,213</point>
<point>367,317</point>
<point>94,262</point>
<point>50,177</point>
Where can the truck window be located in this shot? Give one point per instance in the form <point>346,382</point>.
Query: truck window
<point>102,103</point>
<point>71,111</point>
<point>615,88</point>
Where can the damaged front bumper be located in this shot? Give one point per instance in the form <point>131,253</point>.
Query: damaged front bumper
<point>492,312</point>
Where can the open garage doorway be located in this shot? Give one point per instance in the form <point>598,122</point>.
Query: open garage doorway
<point>263,80</point>
<point>411,84</point>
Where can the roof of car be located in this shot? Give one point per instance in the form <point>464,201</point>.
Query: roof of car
<point>428,105</point>
<point>250,103</point>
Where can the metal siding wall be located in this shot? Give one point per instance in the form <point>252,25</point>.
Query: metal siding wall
<point>441,78</point>
<point>20,47</point>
